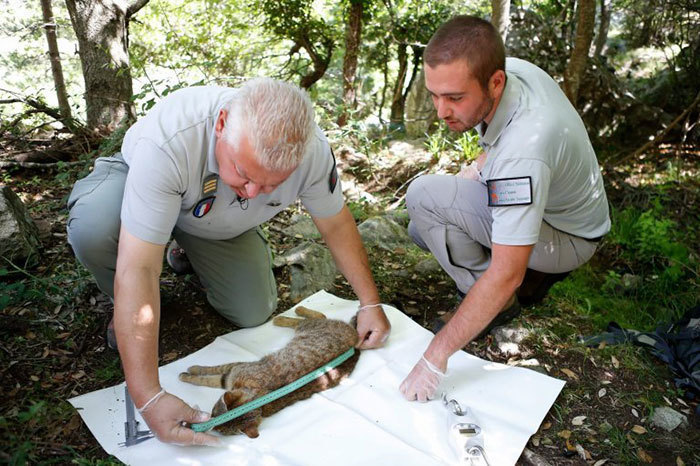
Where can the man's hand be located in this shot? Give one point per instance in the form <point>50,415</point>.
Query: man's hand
<point>372,327</point>
<point>422,382</point>
<point>166,418</point>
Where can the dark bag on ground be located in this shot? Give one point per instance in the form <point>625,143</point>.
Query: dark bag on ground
<point>677,344</point>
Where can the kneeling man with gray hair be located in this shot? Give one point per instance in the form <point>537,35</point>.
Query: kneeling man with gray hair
<point>208,165</point>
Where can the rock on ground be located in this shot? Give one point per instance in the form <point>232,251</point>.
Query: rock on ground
<point>311,269</point>
<point>384,233</point>
<point>668,419</point>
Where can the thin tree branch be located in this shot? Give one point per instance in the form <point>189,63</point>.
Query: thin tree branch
<point>661,135</point>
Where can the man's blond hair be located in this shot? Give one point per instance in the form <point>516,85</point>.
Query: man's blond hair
<point>276,117</point>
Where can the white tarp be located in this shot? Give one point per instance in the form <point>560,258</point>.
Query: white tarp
<point>364,421</point>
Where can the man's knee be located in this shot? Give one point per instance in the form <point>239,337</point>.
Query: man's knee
<point>417,190</point>
<point>92,239</point>
<point>245,312</point>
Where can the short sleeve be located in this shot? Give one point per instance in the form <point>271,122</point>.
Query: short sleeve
<point>519,225</point>
<point>152,194</point>
<point>323,194</point>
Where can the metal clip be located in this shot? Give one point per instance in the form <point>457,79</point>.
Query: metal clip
<point>466,435</point>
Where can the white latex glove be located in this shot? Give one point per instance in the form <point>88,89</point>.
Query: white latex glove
<point>422,382</point>
<point>470,172</point>
<point>166,416</point>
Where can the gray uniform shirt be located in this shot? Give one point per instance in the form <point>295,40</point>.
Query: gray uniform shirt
<point>536,137</point>
<point>170,152</point>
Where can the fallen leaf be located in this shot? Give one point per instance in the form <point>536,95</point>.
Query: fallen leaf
<point>615,362</point>
<point>679,461</point>
<point>578,420</point>
<point>170,356</point>
<point>34,378</point>
<point>45,353</point>
<point>601,462</point>
<point>668,402</point>
<point>644,456</point>
<point>581,451</point>
<point>536,441</point>
<point>635,413</point>
<point>547,425</point>
<point>564,434</point>
<point>606,382</point>
<point>602,392</point>
<point>570,374</point>
<point>78,375</point>
<point>602,345</point>
<point>682,402</point>
<point>637,429</point>
<point>30,335</point>
<point>63,336</point>
<point>93,301</point>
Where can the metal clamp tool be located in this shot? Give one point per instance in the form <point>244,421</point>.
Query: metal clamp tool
<point>466,435</point>
<point>133,435</point>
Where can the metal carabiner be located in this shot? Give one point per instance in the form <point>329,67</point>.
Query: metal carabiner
<point>466,435</point>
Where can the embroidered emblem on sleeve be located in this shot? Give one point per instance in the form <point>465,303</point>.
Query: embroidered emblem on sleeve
<point>209,186</point>
<point>509,191</point>
<point>333,177</point>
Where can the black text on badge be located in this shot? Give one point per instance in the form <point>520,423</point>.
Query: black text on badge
<point>509,191</point>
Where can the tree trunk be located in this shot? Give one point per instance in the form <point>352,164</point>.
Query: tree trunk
<point>353,37</point>
<point>579,56</point>
<point>55,58</point>
<point>398,101</point>
<point>101,29</point>
<point>602,36</point>
<point>500,17</point>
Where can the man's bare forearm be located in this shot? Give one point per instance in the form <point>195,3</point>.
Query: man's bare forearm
<point>136,322</point>
<point>341,235</point>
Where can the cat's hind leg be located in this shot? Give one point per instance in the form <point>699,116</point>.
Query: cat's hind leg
<point>211,370</point>
<point>307,313</point>
<point>214,380</point>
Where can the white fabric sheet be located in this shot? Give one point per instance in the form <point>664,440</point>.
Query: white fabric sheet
<point>364,421</point>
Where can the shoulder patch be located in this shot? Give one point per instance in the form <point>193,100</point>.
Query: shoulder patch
<point>333,176</point>
<point>509,191</point>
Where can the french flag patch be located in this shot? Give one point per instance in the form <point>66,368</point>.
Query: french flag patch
<point>203,207</point>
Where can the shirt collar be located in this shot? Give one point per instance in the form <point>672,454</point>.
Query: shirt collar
<point>510,101</point>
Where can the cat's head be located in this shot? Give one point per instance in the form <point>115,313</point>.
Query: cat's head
<point>248,423</point>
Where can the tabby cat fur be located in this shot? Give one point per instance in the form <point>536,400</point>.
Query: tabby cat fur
<point>316,341</point>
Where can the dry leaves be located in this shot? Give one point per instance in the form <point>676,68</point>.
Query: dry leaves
<point>602,392</point>
<point>570,374</point>
<point>644,456</point>
<point>564,434</point>
<point>637,429</point>
<point>601,462</point>
<point>578,420</point>
<point>615,362</point>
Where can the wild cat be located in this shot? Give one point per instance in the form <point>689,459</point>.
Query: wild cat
<point>316,341</point>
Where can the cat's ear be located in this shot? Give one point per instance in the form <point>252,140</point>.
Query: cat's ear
<point>251,430</point>
<point>232,398</point>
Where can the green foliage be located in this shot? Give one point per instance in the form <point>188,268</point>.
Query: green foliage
<point>652,241</point>
<point>655,280</point>
<point>467,145</point>
<point>436,142</point>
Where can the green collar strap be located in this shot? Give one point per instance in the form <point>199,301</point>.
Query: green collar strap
<point>272,396</point>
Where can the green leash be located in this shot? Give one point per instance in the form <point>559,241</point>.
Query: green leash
<point>272,396</point>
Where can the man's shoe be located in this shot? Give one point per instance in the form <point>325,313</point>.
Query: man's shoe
<point>111,336</point>
<point>536,285</point>
<point>177,259</point>
<point>502,318</point>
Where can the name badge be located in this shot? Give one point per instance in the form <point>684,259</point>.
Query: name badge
<point>509,191</point>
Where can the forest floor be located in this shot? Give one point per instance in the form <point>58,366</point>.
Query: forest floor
<point>53,319</point>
